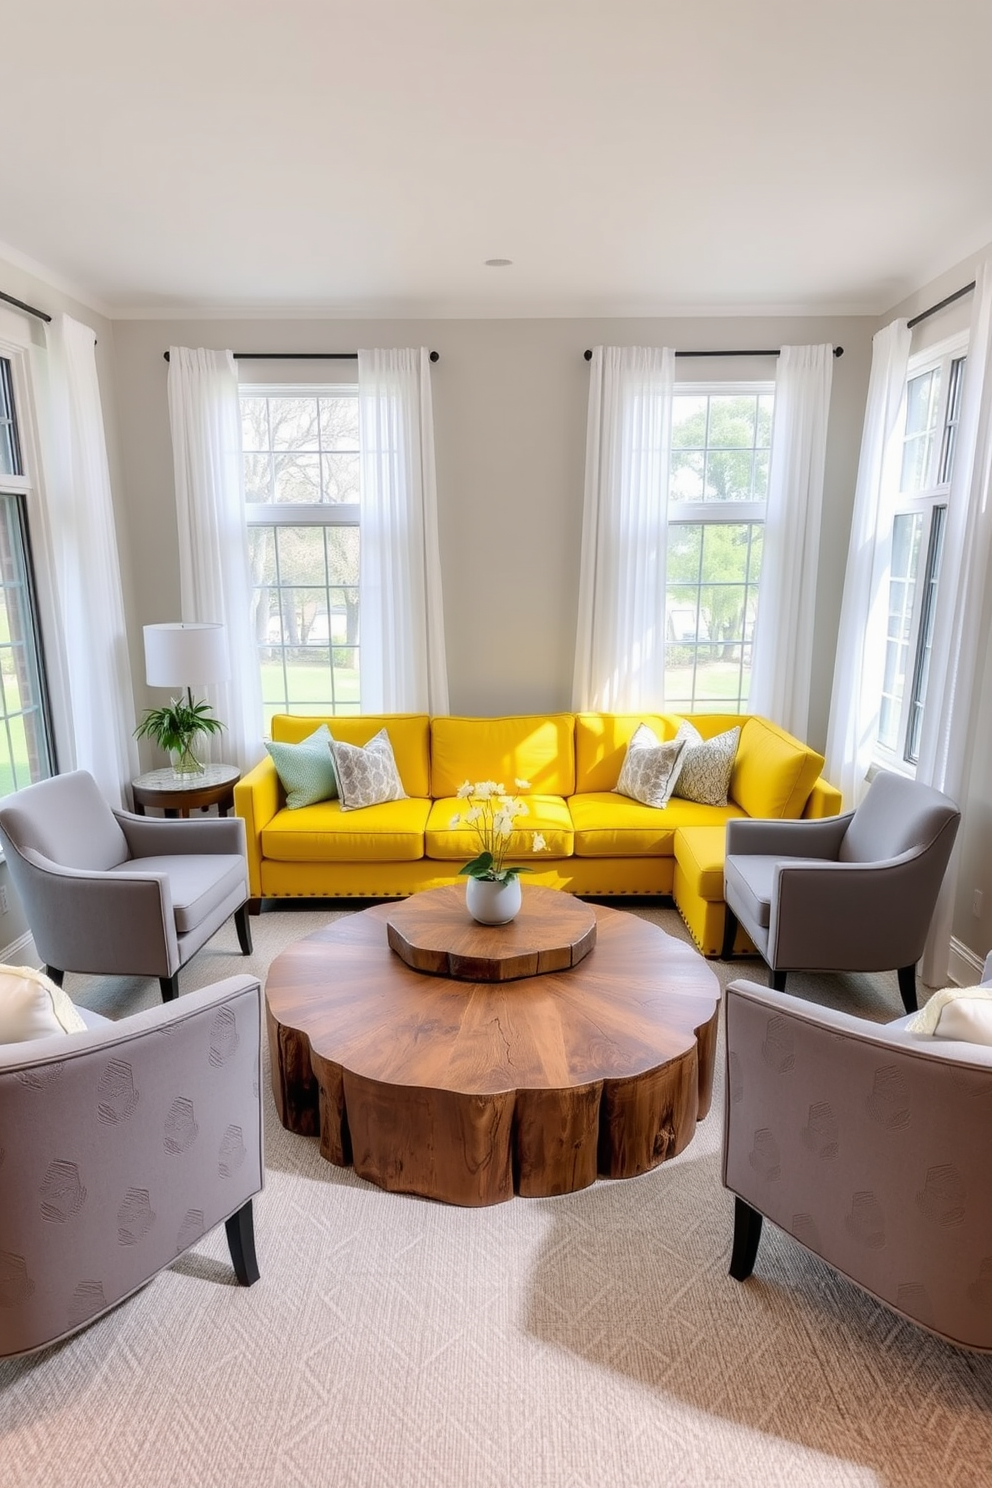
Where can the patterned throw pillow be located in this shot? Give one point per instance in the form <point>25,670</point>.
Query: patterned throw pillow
<point>707,765</point>
<point>367,775</point>
<point>32,1006</point>
<point>650,768</point>
<point>306,769</point>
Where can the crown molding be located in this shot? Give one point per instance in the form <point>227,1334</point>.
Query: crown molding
<point>49,279</point>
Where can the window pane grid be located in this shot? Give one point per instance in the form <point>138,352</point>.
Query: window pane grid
<point>907,532</point>
<point>924,649</point>
<point>932,413</point>
<point>721,446</point>
<point>10,450</point>
<point>25,748</point>
<point>301,448</point>
<point>711,601</point>
<point>952,420</point>
<point>301,454</point>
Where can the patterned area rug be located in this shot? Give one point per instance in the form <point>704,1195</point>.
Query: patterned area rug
<point>578,1342</point>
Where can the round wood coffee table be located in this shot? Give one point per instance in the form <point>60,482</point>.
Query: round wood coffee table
<point>471,1091</point>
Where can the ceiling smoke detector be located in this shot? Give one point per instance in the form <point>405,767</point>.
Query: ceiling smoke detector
<point>498,263</point>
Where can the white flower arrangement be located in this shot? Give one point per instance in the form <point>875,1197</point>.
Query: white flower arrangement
<point>491,812</point>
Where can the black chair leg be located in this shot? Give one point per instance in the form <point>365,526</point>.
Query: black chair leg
<point>729,934</point>
<point>170,987</point>
<point>907,987</point>
<point>241,1243</point>
<point>54,975</point>
<point>747,1233</point>
<point>243,928</point>
<point>776,979</point>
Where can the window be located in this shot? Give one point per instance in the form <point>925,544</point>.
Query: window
<point>929,436</point>
<point>26,752</point>
<point>721,443</point>
<point>301,457</point>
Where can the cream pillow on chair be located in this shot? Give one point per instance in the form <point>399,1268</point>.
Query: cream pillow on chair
<point>963,1013</point>
<point>33,1007</point>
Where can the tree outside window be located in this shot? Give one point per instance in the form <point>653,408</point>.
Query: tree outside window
<point>721,443</point>
<point>301,455</point>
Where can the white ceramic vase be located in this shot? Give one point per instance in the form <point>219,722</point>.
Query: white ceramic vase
<point>491,902</point>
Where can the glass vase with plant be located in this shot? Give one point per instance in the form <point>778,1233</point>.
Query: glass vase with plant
<point>177,727</point>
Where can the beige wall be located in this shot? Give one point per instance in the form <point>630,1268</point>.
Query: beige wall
<point>510,415</point>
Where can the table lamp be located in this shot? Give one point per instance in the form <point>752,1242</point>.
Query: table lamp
<point>183,654</point>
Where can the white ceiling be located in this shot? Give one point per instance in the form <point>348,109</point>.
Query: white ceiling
<point>364,158</point>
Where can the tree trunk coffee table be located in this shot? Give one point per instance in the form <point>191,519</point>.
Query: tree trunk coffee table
<point>581,1044</point>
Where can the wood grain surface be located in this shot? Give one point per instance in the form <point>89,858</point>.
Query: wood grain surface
<point>471,1091</point>
<point>434,932</point>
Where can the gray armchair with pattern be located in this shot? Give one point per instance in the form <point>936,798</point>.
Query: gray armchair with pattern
<point>120,1146</point>
<point>869,1144</point>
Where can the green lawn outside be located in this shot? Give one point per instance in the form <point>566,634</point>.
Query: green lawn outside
<point>309,694</point>
<point>716,688</point>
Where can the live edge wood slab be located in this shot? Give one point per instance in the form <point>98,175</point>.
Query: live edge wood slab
<point>471,1091</point>
<point>434,932</point>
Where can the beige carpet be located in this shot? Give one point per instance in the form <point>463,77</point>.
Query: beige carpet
<point>593,1340</point>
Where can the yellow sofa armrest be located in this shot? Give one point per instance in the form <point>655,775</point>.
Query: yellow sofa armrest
<point>257,798</point>
<point>824,800</point>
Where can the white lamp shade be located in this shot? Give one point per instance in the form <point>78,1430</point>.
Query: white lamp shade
<point>181,654</point>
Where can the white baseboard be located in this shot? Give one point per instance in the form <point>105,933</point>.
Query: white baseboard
<point>964,966</point>
<point>20,952</point>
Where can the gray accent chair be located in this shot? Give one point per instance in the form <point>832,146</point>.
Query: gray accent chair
<point>870,1146</point>
<point>113,893</point>
<point>120,1147</point>
<point>844,893</point>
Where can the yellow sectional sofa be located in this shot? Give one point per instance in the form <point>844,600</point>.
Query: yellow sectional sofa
<point>598,842</point>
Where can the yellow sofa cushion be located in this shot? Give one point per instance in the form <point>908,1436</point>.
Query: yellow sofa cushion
<point>545,814</point>
<point>409,735</point>
<point>323,833</point>
<point>700,852</point>
<point>601,741</point>
<point>612,826</point>
<point>538,748</point>
<point>773,772</point>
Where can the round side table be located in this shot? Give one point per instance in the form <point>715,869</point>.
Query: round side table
<point>178,795</point>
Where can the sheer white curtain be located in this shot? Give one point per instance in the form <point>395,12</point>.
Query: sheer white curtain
<point>964,609</point>
<point>783,643</point>
<point>215,586</point>
<point>620,636</point>
<point>403,664</point>
<point>860,663</point>
<point>94,666</point>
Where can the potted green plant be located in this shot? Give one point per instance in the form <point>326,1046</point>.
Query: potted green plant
<point>176,729</point>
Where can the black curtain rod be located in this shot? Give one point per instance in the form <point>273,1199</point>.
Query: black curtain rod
<point>925,314</point>
<point>298,356</point>
<point>21,306</point>
<point>838,352</point>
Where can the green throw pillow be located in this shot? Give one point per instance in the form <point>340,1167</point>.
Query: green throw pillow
<point>306,769</point>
